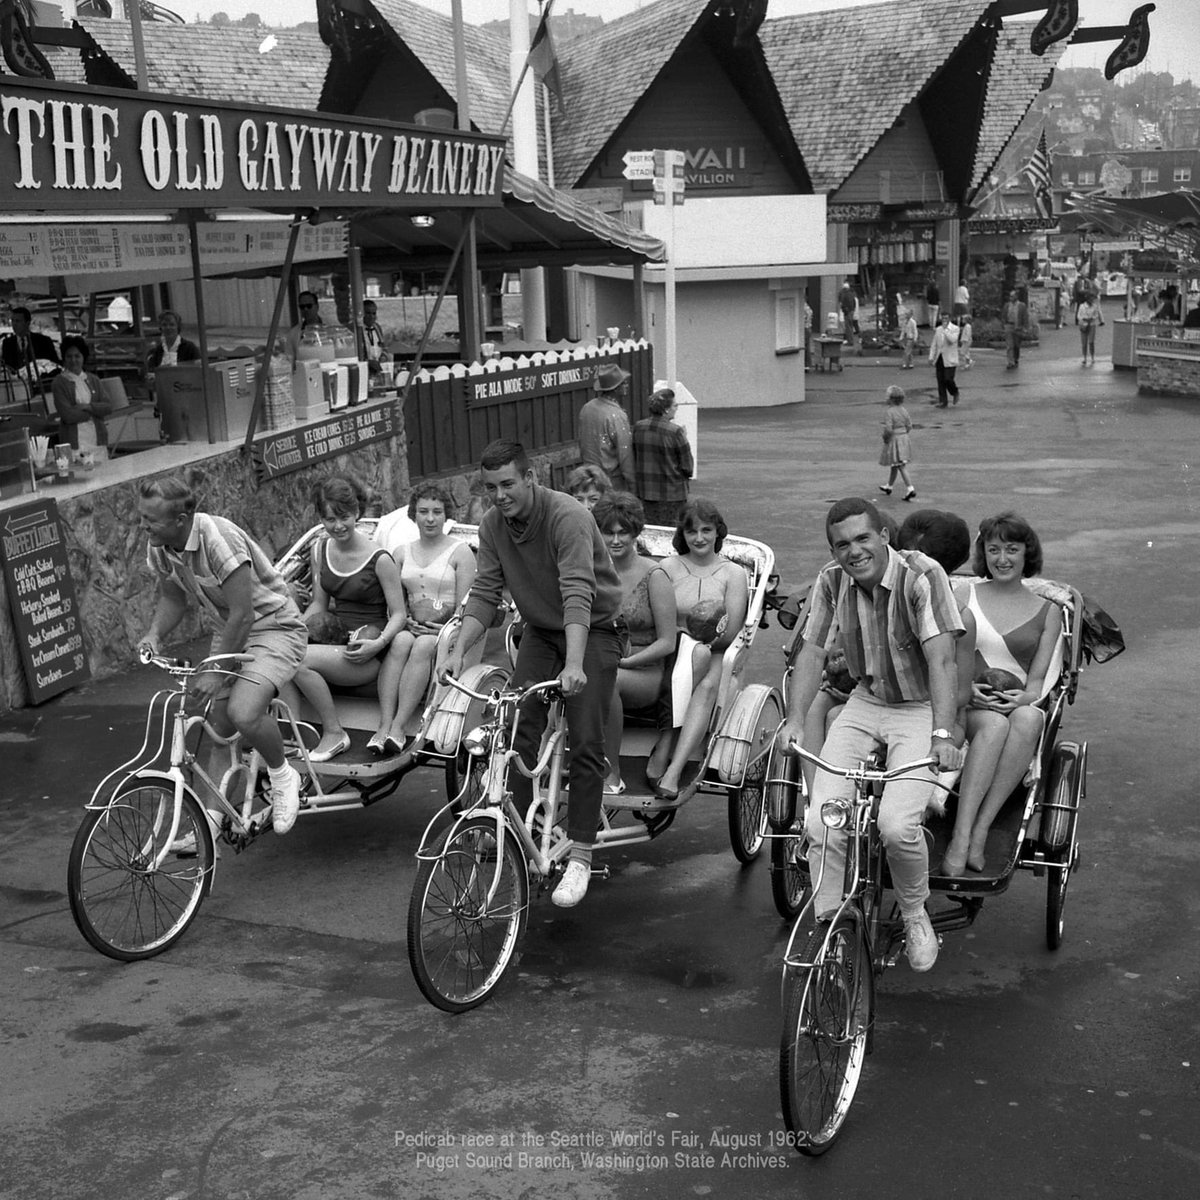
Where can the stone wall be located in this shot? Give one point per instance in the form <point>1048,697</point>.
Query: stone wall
<point>1166,374</point>
<point>107,551</point>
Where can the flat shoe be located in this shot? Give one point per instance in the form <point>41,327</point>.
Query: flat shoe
<point>664,793</point>
<point>887,491</point>
<point>614,789</point>
<point>952,868</point>
<point>377,744</point>
<point>322,753</point>
<point>397,746</point>
<point>977,862</point>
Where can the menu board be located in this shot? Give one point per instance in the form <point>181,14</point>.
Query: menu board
<point>37,577</point>
<point>292,450</point>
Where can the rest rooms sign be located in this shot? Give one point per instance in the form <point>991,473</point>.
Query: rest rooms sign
<point>41,594</point>
<point>282,453</point>
<point>61,148</point>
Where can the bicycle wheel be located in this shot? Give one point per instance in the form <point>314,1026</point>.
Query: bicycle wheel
<point>827,1018</point>
<point>747,812</point>
<point>459,942</point>
<point>122,905</point>
<point>791,880</point>
<point>471,771</point>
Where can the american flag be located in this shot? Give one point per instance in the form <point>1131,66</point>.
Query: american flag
<point>1038,172</point>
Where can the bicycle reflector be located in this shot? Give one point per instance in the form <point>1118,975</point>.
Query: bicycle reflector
<point>835,814</point>
<point>478,742</point>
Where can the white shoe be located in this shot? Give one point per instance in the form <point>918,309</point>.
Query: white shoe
<point>330,746</point>
<point>285,801</point>
<point>573,886</point>
<point>920,942</point>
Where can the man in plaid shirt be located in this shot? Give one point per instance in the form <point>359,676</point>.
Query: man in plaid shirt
<point>664,460</point>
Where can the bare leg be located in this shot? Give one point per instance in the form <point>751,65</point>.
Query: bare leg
<point>613,730</point>
<point>987,732</point>
<point>1024,729</point>
<point>249,700</point>
<point>695,721</point>
<point>904,476</point>
<point>414,683</point>
<point>390,673</point>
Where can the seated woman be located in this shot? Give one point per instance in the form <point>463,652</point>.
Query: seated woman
<point>587,483</point>
<point>1015,631</point>
<point>358,583</point>
<point>78,400</point>
<point>648,609</point>
<point>436,571</point>
<point>702,579</point>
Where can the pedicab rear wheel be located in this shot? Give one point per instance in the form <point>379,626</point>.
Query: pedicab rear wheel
<point>828,1009</point>
<point>791,880</point>
<point>747,816</point>
<point>1060,832</point>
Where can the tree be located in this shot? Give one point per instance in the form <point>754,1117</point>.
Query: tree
<point>220,19</point>
<point>252,20</point>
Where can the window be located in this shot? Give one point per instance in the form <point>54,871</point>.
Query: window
<point>1066,179</point>
<point>1149,174</point>
<point>1182,174</point>
<point>1087,178</point>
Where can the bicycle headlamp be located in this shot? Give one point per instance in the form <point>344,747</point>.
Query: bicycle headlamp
<point>835,814</point>
<point>478,742</point>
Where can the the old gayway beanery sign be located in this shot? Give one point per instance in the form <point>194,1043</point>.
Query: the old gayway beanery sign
<point>61,148</point>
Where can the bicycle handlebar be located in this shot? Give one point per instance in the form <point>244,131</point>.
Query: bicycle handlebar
<point>183,669</point>
<point>871,774</point>
<point>546,686</point>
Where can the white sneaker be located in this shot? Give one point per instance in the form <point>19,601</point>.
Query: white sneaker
<point>285,801</point>
<point>573,886</point>
<point>920,942</point>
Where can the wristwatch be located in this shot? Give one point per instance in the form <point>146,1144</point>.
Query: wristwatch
<point>943,733</point>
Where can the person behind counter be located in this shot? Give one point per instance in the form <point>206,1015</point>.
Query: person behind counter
<point>310,318</point>
<point>23,349</point>
<point>171,349</point>
<point>77,398</point>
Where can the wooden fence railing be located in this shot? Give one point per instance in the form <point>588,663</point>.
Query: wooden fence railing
<point>453,412</point>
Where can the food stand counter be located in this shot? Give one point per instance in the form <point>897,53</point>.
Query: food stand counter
<point>1125,335</point>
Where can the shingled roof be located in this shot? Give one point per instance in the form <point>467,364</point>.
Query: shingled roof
<point>215,62</point>
<point>1016,78</point>
<point>605,74</point>
<point>844,76</point>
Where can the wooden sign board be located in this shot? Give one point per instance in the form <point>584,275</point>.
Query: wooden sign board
<point>37,577</point>
<point>500,387</point>
<point>294,449</point>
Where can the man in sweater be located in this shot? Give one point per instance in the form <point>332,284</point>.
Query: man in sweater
<point>547,550</point>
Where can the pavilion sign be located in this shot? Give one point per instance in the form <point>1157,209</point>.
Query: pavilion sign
<point>63,149</point>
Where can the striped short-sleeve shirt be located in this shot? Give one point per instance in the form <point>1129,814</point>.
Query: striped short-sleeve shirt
<point>883,631</point>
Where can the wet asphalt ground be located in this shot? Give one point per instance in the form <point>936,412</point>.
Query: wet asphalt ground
<point>281,1049</point>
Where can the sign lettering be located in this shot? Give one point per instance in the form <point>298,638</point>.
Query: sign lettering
<point>293,449</point>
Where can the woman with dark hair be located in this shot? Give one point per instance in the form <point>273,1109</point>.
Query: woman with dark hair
<point>357,582</point>
<point>436,571</point>
<point>1016,632</point>
<point>711,599</point>
<point>77,398</point>
<point>648,610</point>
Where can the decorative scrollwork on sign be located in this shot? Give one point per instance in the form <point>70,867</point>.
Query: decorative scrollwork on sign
<point>1134,44</point>
<point>1059,22</point>
<point>16,42</point>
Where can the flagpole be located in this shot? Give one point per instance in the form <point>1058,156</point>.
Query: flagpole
<point>523,109</point>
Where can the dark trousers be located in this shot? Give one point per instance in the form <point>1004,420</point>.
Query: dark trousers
<point>541,656</point>
<point>945,381</point>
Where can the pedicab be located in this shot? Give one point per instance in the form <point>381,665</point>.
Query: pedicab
<point>480,858</point>
<point>830,968</point>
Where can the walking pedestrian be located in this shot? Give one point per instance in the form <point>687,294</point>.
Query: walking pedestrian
<point>908,338</point>
<point>1088,317</point>
<point>933,300</point>
<point>1016,320</point>
<point>943,353</point>
<point>897,447</point>
<point>848,302</point>
<point>663,460</point>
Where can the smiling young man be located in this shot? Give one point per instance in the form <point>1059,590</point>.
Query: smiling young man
<point>546,548</point>
<point>898,621</point>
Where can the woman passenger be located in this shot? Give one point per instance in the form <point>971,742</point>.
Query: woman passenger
<point>437,571</point>
<point>703,581</point>
<point>1015,631</point>
<point>358,582</point>
<point>587,483</point>
<point>648,609</point>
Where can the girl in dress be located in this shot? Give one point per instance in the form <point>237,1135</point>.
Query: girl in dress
<point>897,448</point>
<point>357,582</point>
<point>1015,630</point>
<point>648,610</point>
<point>437,571</point>
<point>698,573</point>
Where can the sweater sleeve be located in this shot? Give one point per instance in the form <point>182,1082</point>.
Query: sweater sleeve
<point>572,541</point>
<point>488,588</point>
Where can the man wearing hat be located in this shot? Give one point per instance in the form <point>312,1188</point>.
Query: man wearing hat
<point>605,438</point>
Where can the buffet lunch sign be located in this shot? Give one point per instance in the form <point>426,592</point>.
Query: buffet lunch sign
<point>62,148</point>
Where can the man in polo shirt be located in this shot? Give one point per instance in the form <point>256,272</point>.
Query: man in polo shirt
<point>213,561</point>
<point>547,550</point>
<point>605,439</point>
<point>898,622</point>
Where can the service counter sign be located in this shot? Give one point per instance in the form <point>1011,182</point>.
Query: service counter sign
<point>65,149</point>
<point>37,577</point>
<point>282,453</point>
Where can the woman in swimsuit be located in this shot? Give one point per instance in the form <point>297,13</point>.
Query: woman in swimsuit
<point>1016,631</point>
<point>702,580</point>
<point>648,609</point>
<point>357,582</point>
<point>437,571</point>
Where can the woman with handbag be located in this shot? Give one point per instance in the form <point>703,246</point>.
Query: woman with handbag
<point>1089,317</point>
<point>897,448</point>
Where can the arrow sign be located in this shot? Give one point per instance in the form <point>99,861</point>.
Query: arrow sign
<point>639,164</point>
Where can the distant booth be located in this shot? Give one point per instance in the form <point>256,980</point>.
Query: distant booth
<point>117,188</point>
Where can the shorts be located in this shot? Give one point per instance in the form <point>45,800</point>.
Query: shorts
<point>277,644</point>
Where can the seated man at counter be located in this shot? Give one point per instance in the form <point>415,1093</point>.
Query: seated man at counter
<point>310,318</point>
<point>171,349</point>
<point>22,349</point>
<point>247,601</point>
<point>374,350</point>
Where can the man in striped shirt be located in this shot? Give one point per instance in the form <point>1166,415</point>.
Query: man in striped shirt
<point>895,616</point>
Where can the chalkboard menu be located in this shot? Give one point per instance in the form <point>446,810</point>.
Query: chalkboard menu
<point>292,450</point>
<point>41,594</point>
